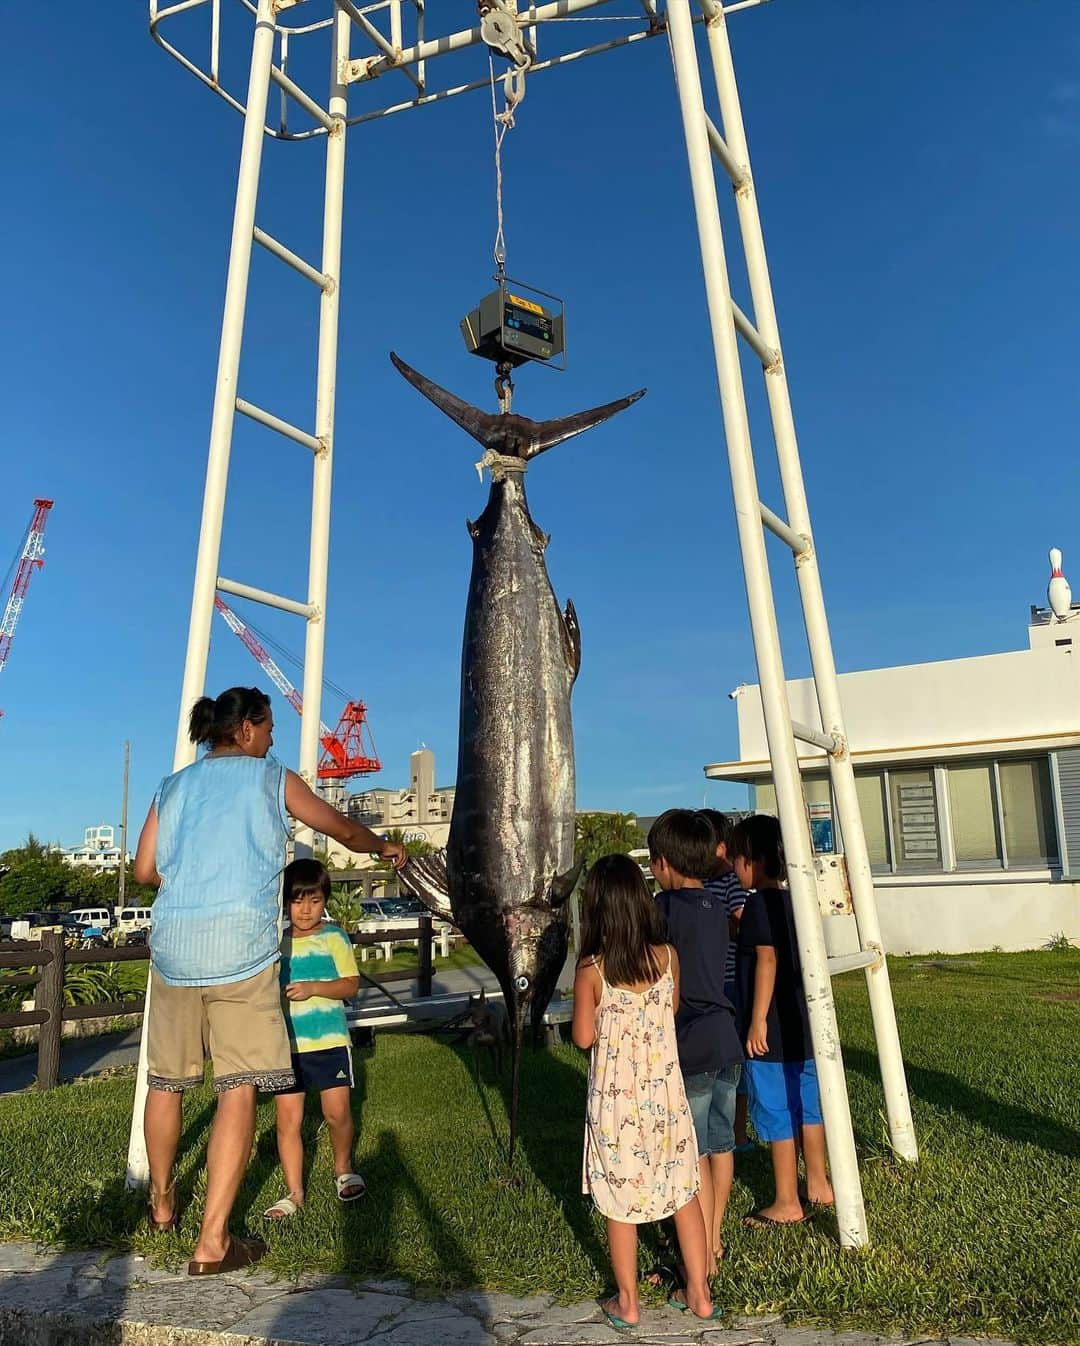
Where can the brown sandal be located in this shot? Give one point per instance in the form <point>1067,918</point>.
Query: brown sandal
<point>240,1253</point>
<point>163,1226</point>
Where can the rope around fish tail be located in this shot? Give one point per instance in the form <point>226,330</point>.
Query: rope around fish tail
<point>515,1088</point>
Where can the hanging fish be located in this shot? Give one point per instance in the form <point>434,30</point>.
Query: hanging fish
<point>508,866</point>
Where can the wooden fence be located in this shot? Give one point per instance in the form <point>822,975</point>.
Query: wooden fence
<point>49,958</point>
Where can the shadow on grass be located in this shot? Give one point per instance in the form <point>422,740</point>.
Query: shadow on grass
<point>950,1094</point>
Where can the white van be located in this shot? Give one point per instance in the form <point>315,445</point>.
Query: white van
<point>132,918</point>
<point>97,918</point>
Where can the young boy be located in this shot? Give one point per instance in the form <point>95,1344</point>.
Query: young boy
<point>318,972</point>
<point>781,1078</point>
<point>682,855</point>
<point>726,887</point>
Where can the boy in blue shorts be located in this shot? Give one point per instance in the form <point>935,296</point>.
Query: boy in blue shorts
<point>318,973</point>
<point>682,854</point>
<point>781,1077</point>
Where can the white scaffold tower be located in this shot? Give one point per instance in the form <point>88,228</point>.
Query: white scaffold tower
<point>362,43</point>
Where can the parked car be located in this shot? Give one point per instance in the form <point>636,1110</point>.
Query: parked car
<point>97,918</point>
<point>391,911</point>
<point>139,936</point>
<point>129,919</point>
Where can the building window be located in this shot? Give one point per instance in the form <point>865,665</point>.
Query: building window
<point>1000,815</point>
<point>973,815</point>
<point>870,788</point>
<point>1027,809</point>
<point>913,807</point>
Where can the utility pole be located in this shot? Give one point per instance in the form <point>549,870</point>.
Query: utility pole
<point>123,826</point>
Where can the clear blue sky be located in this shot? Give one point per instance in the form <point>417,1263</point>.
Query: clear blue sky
<point>919,172</point>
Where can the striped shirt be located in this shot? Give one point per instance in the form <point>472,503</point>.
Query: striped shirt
<point>318,1023</point>
<point>733,895</point>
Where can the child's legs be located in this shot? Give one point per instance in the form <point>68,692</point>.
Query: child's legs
<point>818,1187</point>
<point>337,1110</point>
<point>770,1111</point>
<point>622,1243</point>
<point>690,1230</point>
<point>721,1149</point>
<point>290,1119</point>
<point>699,1092</point>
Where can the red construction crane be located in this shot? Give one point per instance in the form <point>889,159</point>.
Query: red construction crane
<point>344,751</point>
<point>32,558</point>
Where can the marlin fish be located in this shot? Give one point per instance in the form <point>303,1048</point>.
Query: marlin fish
<point>508,867</point>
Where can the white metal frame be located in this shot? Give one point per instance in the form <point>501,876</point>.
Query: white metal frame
<point>726,142</point>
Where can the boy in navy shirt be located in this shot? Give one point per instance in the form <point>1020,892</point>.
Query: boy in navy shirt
<point>781,1078</point>
<point>682,854</point>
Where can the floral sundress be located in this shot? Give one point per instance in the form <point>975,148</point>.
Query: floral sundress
<point>641,1160</point>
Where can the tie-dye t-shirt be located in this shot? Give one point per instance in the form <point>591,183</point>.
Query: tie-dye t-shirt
<point>317,1023</point>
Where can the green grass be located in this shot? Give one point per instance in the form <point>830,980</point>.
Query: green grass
<point>979,1238</point>
<point>460,956</point>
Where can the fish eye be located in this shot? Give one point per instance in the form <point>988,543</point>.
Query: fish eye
<point>522,983</point>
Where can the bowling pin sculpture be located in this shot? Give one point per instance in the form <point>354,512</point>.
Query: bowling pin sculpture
<point>1058,593</point>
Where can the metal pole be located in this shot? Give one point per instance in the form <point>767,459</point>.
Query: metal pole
<point>325,386</point>
<point>890,1059</point>
<point>221,424</point>
<point>851,1216</point>
<point>123,828</point>
<point>217,471</point>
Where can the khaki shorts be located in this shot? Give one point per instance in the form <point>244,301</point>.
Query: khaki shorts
<point>239,1025</point>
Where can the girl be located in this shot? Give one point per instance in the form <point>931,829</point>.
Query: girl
<point>640,1161</point>
<point>771,1014</point>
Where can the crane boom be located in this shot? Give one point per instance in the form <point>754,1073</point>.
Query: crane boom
<point>344,752</point>
<point>31,559</point>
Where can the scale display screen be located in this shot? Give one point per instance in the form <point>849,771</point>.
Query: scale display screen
<point>521,316</point>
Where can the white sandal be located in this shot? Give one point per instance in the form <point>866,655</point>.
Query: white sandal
<point>283,1209</point>
<point>343,1181</point>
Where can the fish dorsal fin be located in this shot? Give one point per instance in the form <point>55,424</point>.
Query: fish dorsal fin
<point>424,877</point>
<point>506,434</point>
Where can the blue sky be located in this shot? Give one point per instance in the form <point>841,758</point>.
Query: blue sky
<point>917,166</point>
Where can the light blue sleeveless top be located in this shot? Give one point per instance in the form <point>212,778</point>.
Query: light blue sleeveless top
<point>222,829</point>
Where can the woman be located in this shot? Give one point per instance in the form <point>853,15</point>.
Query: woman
<point>214,842</point>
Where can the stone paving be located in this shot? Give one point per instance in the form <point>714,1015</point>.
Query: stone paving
<point>91,1299</point>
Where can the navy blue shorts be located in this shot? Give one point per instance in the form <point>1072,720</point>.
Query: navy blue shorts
<point>783,1096</point>
<point>711,1096</point>
<point>329,1069</point>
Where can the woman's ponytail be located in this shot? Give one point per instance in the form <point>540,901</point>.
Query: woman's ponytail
<point>219,721</point>
<point>201,720</point>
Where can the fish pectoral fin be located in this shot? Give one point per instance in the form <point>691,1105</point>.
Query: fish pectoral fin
<point>562,885</point>
<point>572,639</point>
<point>424,877</point>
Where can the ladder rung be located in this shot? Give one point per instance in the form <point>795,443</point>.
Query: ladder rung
<point>265,596</point>
<point>848,962</point>
<point>808,735</point>
<point>319,278</point>
<point>305,100</point>
<point>798,542</point>
<point>282,427</point>
<point>768,355</point>
<point>736,172</point>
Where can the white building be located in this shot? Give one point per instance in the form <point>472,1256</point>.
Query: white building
<point>968,773</point>
<point>421,811</point>
<point>98,852</point>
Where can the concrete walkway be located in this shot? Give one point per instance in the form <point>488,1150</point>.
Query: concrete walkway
<point>68,1299</point>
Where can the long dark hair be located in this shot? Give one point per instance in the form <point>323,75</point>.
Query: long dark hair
<point>218,720</point>
<point>620,922</point>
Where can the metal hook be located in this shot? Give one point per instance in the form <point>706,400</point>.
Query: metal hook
<point>514,86</point>
<point>504,386</point>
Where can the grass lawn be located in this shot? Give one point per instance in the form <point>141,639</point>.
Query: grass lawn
<point>460,955</point>
<point>979,1238</point>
